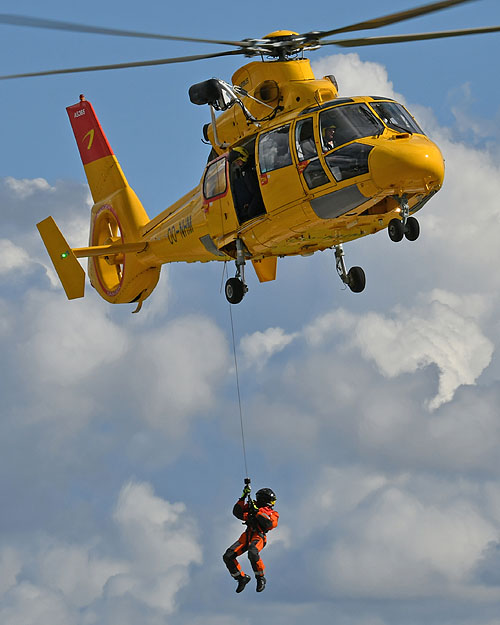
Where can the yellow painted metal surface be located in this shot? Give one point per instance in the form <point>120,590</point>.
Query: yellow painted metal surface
<point>265,268</point>
<point>68,268</point>
<point>127,248</point>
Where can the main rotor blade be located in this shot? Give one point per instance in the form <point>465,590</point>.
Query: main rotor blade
<point>393,18</point>
<point>95,68</point>
<point>374,41</point>
<point>37,22</point>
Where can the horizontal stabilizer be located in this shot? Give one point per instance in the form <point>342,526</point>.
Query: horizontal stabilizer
<point>68,268</point>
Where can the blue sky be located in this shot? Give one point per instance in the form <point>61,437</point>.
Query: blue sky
<point>374,417</point>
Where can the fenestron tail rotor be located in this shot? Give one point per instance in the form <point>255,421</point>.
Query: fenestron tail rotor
<point>281,45</point>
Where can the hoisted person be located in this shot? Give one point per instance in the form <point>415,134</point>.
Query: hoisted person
<point>260,518</point>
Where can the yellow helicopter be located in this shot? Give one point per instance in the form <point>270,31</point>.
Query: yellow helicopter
<point>293,169</point>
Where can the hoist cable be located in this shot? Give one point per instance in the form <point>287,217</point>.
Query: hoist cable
<point>238,392</point>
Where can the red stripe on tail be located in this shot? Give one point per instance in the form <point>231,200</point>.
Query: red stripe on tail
<point>90,138</point>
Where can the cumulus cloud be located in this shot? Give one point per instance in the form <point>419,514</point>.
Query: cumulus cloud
<point>29,603</point>
<point>356,77</point>
<point>257,348</point>
<point>76,571</point>
<point>440,330</point>
<point>26,187</point>
<point>26,202</point>
<point>397,536</point>
<point>53,582</point>
<point>161,540</point>
<point>182,366</point>
<point>65,342</point>
<point>468,205</point>
<point>408,548</point>
<point>12,257</point>
<point>10,567</point>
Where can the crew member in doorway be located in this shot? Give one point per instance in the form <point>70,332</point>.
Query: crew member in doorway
<point>259,517</point>
<point>246,191</point>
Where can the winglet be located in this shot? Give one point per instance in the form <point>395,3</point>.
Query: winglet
<point>68,268</point>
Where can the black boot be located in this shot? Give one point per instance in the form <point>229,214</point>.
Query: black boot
<point>261,583</point>
<point>242,582</point>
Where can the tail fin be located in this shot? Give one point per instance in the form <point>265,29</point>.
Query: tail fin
<point>68,268</point>
<point>104,174</point>
<point>117,217</point>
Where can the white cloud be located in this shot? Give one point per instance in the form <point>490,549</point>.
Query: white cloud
<point>158,544</point>
<point>466,216</point>
<point>408,548</point>
<point>397,537</point>
<point>182,366</point>
<point>10,567</point>
<point>257,348</point>
<point>6,318</point>
<point>26,187</point>
<point>161,541</point>
<point>67,341</point>
<point>76,571</point>
<point>28,603</point>
<point>12,257</point>
<point>356,77</point>
<point>442,330</point>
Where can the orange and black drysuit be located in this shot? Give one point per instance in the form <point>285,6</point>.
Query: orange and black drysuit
<point>259,521</point>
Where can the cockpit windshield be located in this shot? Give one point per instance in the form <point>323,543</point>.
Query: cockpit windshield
<point>396,117</point>
<point>343,124</point>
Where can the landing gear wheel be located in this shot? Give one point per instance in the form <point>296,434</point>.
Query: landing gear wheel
<point>412,229</point>
<point>396,230</point>
<point>235,290</point>
<point>356,279</point>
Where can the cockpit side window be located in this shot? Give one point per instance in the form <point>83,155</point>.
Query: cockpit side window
<point>304,139</point>
<point>274,149</point>
<point>312,170</point>
<point>396,117</point>
<point>343,124</point>
<point>215,181</point>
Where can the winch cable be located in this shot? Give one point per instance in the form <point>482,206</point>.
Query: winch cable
<point>238,393</point>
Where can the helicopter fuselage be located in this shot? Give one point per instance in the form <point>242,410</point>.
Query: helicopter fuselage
<point>314,194</point>
<point>314,173</point>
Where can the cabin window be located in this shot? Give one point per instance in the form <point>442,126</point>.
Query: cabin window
<point>349,161</point>
<point>274,149</point>
<point>396,117</point>
<point>304,139</point>
<point>313,172</point>
<point>215,182</point>
<point>344,124</point>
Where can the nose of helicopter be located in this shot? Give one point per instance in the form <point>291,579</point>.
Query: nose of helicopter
<point>412,163</point>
